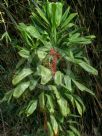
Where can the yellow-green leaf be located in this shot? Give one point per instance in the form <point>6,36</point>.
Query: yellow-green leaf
<point>79,108</point>
<point>21,75</point>
<point>58,78</point>
<point>31,107</point>
<point>63,106</point>
<point>82,87</point>
<point>19,90</point>
<point>24,53</point>
<point>42,101</point>
<point>45,74</point>
<point>54,124</point>
<point>88,68</point>
<point>50,130</point>
<point>50,104</point>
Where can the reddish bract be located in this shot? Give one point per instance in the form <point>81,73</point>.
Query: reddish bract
<point>53,64</point>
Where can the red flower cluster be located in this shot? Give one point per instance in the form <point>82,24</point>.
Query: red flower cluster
<point>53,64</point>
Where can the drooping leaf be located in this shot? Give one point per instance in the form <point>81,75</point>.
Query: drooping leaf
<point>82,87</point>
<point>21,75</point>
<point>63,106</point>
<point>31,107</point>
<point>60,117</point>
<point>33,84</point>
<point>67,81</point>
<point>70,97</point>
<point>45,74</point>
<point>77,133</point>
<point>58,78</point>
<point>55,91</point>
<point>50,130</point>
<point>42,101</point>
<point>50,104</point>
<point>88,68</point>
<point>79,108</point>
<point>54,124</point>
<point>80,101</point>
<point>19,90</point>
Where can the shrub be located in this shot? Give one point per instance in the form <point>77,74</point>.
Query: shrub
<point>48,75</point>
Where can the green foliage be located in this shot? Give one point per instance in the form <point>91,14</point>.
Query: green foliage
<point>53,95</point>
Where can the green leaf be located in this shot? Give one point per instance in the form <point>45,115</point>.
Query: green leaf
<point>91,37</point>
<point>70,121</point>
<point>67,81</point>
<point>55,91</point>
<point>75,35</point>
<point>70,133</point>
<point>54,124</point>
<point>45,74</point>
<point>69,19</point>
<point>38,20</point>
<point>31,107</point>
<point>70,97</point>
<point>50,104</point>
<point>80,101</point>
<point>49,10</point>
<point>21,75</point>
<point>7,97</point>
<point>75,39</point>
<point>82,87</point>
<point>58,14</point>
<point>42,101</point>
<point>79,108</point>
<point>64,109</point>
<point>64,17</point>
<point>75,130</point>
<point>33,32</point>
<point>53,21</point>
<point>41,54</point>
<point>19,90</point>
<point>33,84</point>
<point>50,130</point>
<point>54,12</point>
<point>42,15</point>
<point>24,53</point>
<point>60,118</point>
<point>88,68</point>
<point>58,78</point>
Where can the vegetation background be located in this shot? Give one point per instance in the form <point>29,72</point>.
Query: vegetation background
<point>15,11</point>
